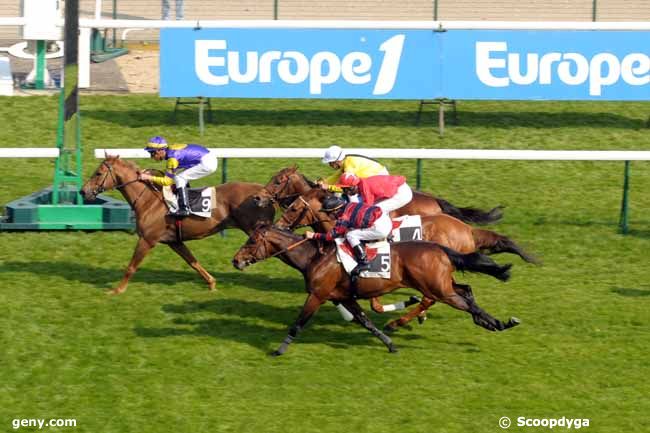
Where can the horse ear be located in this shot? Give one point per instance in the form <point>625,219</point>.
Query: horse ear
<point>105,154</point>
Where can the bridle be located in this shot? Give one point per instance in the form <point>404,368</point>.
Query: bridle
<point>306,208</point>
<point>109,171</point>
<point>285,185</point>
<point>263,242</point>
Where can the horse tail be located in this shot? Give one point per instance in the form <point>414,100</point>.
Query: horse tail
<point>494,243</point>
<point>470,215</point>
<point>477,262</point>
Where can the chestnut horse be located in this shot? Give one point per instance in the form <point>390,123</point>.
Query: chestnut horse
<point>235,208</point>
<point>424,266</point>
<point>442,229</point>
<point>288,184</point>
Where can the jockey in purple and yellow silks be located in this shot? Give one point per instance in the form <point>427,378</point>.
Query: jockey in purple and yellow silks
<point>359,165</point>
<point>185,162</point>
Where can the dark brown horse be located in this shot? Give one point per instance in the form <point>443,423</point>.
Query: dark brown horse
<point>235,209</point>
<point>289,183</point>
<point>424,266</point>
<point>442,229</point>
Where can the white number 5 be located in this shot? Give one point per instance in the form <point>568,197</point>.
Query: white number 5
<point>385,263</point>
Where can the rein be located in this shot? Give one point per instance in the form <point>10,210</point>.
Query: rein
<point>289,248</point>
<point>101,187</point>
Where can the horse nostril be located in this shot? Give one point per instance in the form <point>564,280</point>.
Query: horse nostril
<point>82,192</point>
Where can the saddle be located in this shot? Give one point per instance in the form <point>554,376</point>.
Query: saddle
<point>378,254</point>
<point>201,200</point>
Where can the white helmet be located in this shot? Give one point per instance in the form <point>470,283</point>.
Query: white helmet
<point>334,153</point>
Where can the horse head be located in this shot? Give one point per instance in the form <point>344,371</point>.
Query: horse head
<point>287,183</point>
<point>106,177</point>
<point>305,211</point>
<point>265,241</point>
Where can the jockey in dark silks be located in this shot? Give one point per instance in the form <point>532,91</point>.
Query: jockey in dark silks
<point>356,222</point>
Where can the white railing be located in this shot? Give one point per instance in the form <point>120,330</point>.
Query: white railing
<point>29,152</point>
<point>420,154</point>
<point>529,155</point>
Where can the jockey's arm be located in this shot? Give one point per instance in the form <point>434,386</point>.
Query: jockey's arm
<point>334,179</point>
<point>168,178</point>
<point>336,232</point>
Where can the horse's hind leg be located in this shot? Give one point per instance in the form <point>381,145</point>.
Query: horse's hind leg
<point>423,306</point>
<point>377,307</point>
<point>495,243</point>
<point>353,307</point>
<point>480,316</point>
<point>141,249</point>
<point>181,249</point>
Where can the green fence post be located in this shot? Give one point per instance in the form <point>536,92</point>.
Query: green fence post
<point>224,171</point>
<point>623,220</point>
<point>39,80</point>
<point>418,175</point>
<point>224,179</point>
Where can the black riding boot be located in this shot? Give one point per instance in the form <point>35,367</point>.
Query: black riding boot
<point>183,203</point>
<point>362,263</point>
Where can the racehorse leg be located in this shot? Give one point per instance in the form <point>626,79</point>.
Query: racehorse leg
<point>353,307</point>
<point>141,250</point>
<point>423,306</point>
<point>181,249</point>
<point>421,310</point>
<point>377,307</point>
<point>312,304</point>
<point>480,316</point>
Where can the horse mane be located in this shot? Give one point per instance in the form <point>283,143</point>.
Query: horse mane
<point>309,182</point>
<point>116,159</point>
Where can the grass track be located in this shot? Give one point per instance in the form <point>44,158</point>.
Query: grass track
<point>167,356</point>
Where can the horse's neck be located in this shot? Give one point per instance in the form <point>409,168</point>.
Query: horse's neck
<point>137,194</point>
<point>300,186</point>
<point>300,257</point>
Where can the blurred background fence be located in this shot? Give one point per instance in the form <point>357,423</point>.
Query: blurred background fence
<point>416,10</point>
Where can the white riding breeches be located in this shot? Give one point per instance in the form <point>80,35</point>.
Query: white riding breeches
<point>379,230</point>
<point>401,198</point>
<point>207,166</point>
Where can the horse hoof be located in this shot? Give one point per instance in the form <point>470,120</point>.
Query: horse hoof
<point>114,292</point>
<point>212,287</point>
<point>389,329</point>
<point>422,318</point>
<point>513,322</point>
<point>392,349</point>
<point>276,353</point>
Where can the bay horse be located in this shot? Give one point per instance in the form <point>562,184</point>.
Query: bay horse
<point>235,208</point>
<point>289,183</point>
<point>442,229</point>
<point>424,266</point>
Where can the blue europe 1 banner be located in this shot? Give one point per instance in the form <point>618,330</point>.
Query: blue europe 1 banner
<point>547,64</point>
<point>405,64</point>
<point>298,63</point>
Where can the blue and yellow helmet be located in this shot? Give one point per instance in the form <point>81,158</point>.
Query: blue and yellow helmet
<point>156,143</point>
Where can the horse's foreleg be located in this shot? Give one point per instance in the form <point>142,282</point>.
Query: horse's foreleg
<point>353,307</point>
<point>181,249</point>
<point>141,250</point>
<point>423,306</point>
<point>312,304</point>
